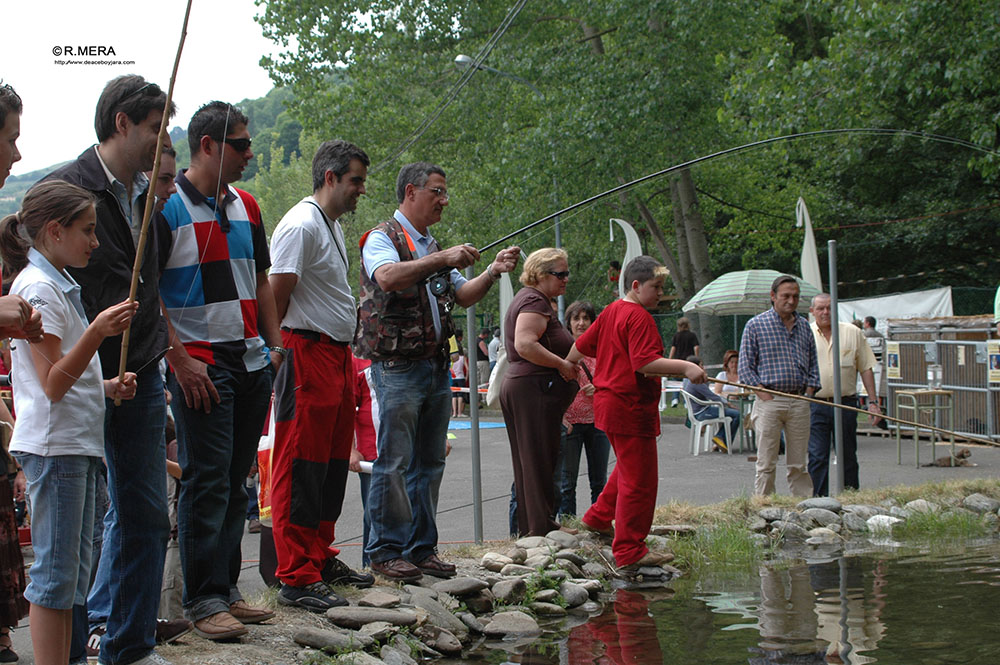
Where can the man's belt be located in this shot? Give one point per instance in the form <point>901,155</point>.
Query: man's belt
<point>843,398</point>
<point>801,390</point>
<point>313,336</point>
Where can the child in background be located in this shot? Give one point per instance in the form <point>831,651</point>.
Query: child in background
<point>364,449</point>
<point>59,434</point>
<point>627,344</point>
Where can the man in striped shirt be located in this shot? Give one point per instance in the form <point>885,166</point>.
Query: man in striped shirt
<point>778,352</point>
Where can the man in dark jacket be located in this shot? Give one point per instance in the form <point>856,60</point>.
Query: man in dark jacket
<point>126,589</point>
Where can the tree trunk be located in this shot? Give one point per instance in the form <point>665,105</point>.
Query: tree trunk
<point>661,243</point>
<point>680,235</point>
<point>712,344</point>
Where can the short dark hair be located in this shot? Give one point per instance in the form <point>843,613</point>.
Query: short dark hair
<point>578,306</point>
<point>693,359</point>
<point>642,269</point>
<point>783,279</point>
<point>415,174</point>
<point>335,156</point>
<point>870,320</point>
<point>132,95</point>
<point>214,120</point>
<point>10,102</point>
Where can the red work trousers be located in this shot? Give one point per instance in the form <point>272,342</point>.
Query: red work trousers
<point>629,497</point>
<point>314,427</point>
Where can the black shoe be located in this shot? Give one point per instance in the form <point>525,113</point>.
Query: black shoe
<point>336,571</point>
<point>168,631</point>
<point>315,597</point>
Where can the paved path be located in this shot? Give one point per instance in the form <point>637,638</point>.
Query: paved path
<point>707,478</point>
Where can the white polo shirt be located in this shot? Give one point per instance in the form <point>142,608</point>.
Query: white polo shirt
<point>309,245</point>
<point>75,424</point>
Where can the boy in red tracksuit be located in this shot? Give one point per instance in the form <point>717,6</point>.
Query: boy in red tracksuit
<point>627,345</point>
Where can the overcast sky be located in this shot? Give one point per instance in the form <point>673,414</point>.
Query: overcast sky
<point>220,61</point>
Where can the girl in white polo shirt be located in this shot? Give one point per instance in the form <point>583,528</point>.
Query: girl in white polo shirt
<point>59,400</point>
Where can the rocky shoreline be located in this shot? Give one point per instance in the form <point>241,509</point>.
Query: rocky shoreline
<point>516,592</point>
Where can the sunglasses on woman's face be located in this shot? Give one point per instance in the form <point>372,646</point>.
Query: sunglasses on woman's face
<point>560,274</point>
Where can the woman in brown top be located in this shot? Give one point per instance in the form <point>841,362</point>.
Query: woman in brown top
<point>540,383</point>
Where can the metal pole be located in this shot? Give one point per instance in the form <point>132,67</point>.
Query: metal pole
<point>837,486</point>
<point>477,473</point>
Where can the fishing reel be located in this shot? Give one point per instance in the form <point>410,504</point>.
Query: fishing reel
<point>441,288</point>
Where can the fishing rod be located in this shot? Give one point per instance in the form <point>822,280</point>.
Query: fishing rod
<point>813,400</point>
<point>874,131</point>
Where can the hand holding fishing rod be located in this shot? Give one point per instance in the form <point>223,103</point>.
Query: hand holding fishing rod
<point>463,256</point>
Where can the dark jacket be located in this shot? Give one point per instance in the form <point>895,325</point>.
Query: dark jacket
<point>107,278</point>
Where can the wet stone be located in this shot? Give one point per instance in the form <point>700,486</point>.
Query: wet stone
<point>471,622</point>
<point>824,502</point>
<point>822,536</point>
<point>981,503</point>
<point>481,602</point>
<point>803,521</point>
<point>591,607</point>
<point>757,524</point>
<point>673,530</point>
<point>537,551</point>
<point>379,630</point>
<point>547,609</point>
<point>569,567</point>
<point>901,513</point>
<point>882,523</point>
<point>822,516</point>
<point>594,570</point>
<point>460,586</point>
<point>546,595</point>
<point>557,575</point>
<point>573,594</point>
<point>441,616</point>
<point>440,639</point>
<point>357,658</point>
<point>789,530</point>
<point>864,511</point>
<point>515,554</point>
<point>513,624</point>
<point>854,522</point>
<point>510,591</point>
<point>539,561</point>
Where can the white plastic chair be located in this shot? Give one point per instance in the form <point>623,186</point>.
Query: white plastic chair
<point>703,430</point>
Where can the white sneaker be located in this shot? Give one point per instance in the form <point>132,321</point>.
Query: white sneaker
<point>153,658</point>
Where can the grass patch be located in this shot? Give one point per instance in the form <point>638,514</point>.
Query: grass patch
<point>728,544</point>
<point>268,597</point>
<point>942,525</point>
<point>474,551</point>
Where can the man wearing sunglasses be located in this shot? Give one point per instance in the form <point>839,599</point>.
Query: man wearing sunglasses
<point>129,569</point>
<point>220,308</point>
<point>408,284</point>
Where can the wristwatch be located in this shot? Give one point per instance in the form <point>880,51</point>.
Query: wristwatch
<point>280,350</point>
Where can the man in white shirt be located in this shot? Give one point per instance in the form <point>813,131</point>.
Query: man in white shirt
<point>314,388</point>
<point>855,356</point>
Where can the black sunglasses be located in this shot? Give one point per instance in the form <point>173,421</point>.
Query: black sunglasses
<point>149,86</point>
<point>562,274</point>
<point>239,145</point>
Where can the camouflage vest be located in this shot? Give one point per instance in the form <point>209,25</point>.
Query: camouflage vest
<point>398,324</point>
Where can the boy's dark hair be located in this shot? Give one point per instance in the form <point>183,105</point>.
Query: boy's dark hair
<point>132,95</point>
<point>10,102</point>
<point>214,120</point>
<point>415,174</point>
<point>581,306</point>
<point>694,359</point>
<point>870,320</point>
<point>335,156</point>
<point>642,269</point>
<point>783,279</point>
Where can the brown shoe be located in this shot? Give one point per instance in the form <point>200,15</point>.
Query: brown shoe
<point>435,567</point>
<point>608,533</point>
<point>397,570</point>
<point>247,614</point>
<point>220,626</point>
<point>650,558</point>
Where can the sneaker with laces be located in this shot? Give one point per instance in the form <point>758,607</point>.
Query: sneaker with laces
<point>336,571</point>
<point>316,597</point>
<point>94,641</point>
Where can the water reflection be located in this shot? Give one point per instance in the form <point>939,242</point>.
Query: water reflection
<point>885,607</point>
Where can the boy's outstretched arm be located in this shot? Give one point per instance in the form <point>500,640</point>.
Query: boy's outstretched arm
<point>669,366</point>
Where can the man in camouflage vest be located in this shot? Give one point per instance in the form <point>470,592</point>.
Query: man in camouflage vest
<point>408,286</point>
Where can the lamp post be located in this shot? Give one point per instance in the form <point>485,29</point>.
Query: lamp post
<point>464,62</point>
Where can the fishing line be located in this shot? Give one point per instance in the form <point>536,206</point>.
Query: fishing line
<point>871,131</point>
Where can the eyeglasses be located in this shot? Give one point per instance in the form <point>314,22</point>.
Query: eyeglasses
<point>439,192</point>
<point>561,274</point>
<point>239,145</point>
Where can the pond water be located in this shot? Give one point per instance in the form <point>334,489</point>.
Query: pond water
<point>917,608</point>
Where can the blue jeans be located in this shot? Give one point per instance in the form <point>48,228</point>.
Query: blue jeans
<point>413,402</point>
<point>584,436</point>
<point>62,490</point>
<point>712,411</point>
<point>821,440</point>
<point>126,591</point>
<point>216,450</point>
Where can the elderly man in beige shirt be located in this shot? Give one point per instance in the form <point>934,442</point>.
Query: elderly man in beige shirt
<point>855,357</point>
